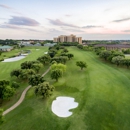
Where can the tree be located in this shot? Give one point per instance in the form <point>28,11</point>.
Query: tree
<point>1,116</point>
<point>44,59</point>
<point>30,71</point>
<point>80,46</point>
<point>36,79</point>
<point>56,74</point>
<point>60,66</point>
<point>8,92</point>
<point>16,72</point>
<point>44,89</point>
<point>105,54</point>
<point>15,85</point>
<point>1,53</point>
<point>37,67</point>
<point>65,50</point>
<point>117,60</point>
<point>114,54</point>
<point>98,50</point>
<point>52,52</point>
<point>5,90</point>
<point>26,65</point>
<point>70,56</point>
<point>23,75</point>
<point>126,62</point>
<point>63,59</point>
<point>81,64</point>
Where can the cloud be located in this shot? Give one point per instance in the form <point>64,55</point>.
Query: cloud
<point>126,30</point>
<point>68,15</point>
<point>108,9</point>
<point>5,6</point>
<point>15,20</point>
<point>73,30</point>
<point>8,26</point>
<point>121,20</point>
<point>60,23</point>
<point>92,26</point>
<point>53,30</point>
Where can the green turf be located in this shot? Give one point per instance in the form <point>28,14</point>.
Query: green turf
<point>102,91</point>
<point>7,67</point>
<point>127,56</point>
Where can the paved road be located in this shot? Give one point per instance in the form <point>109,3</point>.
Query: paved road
<point>22,97</point>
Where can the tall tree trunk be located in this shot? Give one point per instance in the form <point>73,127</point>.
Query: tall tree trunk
<point>56,79</point>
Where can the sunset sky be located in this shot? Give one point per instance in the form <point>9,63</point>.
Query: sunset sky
<point>45,19</point>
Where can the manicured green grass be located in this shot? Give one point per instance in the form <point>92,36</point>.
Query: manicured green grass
<point>102,91</point>
<point>7,67</point>
<point>127,56</point>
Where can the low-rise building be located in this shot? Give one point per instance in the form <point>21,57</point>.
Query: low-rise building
<point>6,48</point>
<point>70,38</point>
<point>50,44</point>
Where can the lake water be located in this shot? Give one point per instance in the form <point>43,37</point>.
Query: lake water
<point>17,58</point>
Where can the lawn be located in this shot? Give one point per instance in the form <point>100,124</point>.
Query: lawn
<point>102,91</point>
<point>127,56</point>
<point>7,67</point>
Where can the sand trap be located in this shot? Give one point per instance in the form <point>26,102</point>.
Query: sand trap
<point>62,105</point>
<point>14,59</point>
<point>46,53</point>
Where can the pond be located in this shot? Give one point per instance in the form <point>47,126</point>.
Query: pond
<point>14,58</point>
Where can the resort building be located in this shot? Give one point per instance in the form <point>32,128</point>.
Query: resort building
<point>71,38</point>
<point>6,48</point>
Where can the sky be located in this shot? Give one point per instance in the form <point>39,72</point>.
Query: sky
<point>46,19</point>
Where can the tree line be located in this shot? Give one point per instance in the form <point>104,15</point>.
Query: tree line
<point>113,56</point>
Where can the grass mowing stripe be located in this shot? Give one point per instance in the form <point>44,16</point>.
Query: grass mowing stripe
<point>102,91</point>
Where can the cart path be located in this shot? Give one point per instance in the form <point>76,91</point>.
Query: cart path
<point>22,96</point>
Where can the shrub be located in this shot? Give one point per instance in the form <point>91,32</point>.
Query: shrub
<point>15,85</point>
<point>2,59</point>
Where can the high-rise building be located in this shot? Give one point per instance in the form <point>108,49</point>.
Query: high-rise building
<point>71,38</point>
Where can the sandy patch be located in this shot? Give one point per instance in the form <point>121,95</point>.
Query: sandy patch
<point>62,105</point>
<point>46,53</point>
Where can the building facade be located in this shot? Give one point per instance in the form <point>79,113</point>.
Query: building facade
<point>6,48</point>
<point>70,38</point>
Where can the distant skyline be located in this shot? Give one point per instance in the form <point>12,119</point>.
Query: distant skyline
<point>45,19</point>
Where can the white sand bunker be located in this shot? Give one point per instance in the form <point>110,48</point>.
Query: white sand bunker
<point>62,105</point>
<point>46,53</point>
<point>14,59</point>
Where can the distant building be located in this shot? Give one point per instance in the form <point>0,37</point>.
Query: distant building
<point>50,44</point>
<point>6,48</point>
<point>70,38</point>
<point>113,46</point>
<point>28,43</point>
<point>25,43</point>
